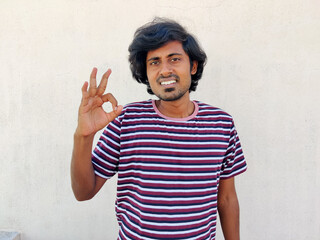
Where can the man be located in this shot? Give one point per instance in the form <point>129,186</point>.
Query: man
<point>176,159</point>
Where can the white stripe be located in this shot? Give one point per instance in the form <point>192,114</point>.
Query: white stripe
<point>187,207</point>
<point>177,142</point>
<point>99,174</point>
<point>212,111</point>
<point>168,233</point>
<point>106,138</point>
<point>170,149</point>
<point>238,156</point>
<point>191,135</point>
<point>104,169</point>
<point>192,238</point>
<point>167,182</point>
<point>174,216</point>
<point>153,126</point>
<point>234,173</point>
<point>152,120</point>
<point>115,126</point>
<point>139,113</point>
<point>169,199</point>
<point>182,190</point>
<point>104,161</point>
<point>185,158</point>
<point>173,224</point>
<point>108,149</point>
<point>132,233</point>
<point>167,165</point>
<point>234,165</point>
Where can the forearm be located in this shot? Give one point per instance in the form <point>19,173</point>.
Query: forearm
<point>82,173</point>
<point>229,218</point>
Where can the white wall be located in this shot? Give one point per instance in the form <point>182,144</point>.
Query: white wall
<point>263,68</point>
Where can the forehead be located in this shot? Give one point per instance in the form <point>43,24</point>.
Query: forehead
<point>166,50</point>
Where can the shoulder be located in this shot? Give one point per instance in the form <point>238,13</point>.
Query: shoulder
<point>138,105</point>
<point>207,110</point>
<point>137,110</point>
<point>142,106</point>
<point>214,116</point>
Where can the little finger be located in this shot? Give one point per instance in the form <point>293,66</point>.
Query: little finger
<point>93,83</point>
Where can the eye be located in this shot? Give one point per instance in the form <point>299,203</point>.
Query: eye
<point>156,62</point>
<point>175,59</point>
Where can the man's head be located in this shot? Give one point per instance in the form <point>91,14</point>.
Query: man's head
<point>157,34</point>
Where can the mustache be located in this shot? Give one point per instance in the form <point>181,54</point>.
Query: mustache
<point>169,76</point>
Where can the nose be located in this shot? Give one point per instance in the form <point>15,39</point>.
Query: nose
<point>166,69</point>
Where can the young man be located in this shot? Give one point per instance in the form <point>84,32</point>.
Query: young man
<point>176,159</point>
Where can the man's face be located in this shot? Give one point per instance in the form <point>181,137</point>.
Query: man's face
<point>169,72</point>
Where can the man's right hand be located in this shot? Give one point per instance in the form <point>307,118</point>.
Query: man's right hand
<point>91,116</point>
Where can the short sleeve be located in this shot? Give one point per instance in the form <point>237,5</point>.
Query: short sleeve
<point>234,162</point>
<point>105,156</point>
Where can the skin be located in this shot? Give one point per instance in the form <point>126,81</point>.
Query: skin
<point>228,208</point>
<point>167,63</point>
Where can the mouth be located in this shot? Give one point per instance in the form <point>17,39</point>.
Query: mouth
<point>168,82</point>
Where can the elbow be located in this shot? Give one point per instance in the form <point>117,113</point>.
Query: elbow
<point>81,198</point>
<point>81,195</point>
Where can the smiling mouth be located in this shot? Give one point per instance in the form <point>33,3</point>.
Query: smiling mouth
<point>168,82</point>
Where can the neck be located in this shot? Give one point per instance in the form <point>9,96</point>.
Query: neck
<point>180,108</point>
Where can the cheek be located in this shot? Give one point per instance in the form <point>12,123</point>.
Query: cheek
<point>153,86</point>
<point>152,82</point>
<point>150,75</point>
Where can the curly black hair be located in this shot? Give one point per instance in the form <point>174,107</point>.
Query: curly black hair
<point>154,35</point>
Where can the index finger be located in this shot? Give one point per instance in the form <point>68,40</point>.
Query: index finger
<point>104,81</point>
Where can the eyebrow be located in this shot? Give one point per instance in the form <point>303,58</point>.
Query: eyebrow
<point>157,58</point>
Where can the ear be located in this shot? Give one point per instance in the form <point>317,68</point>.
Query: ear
<point>194,67</point>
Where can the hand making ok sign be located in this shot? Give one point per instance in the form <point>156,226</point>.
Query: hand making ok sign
<point>92,117</point>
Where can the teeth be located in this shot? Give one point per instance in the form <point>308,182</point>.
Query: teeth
<point>168,82</point>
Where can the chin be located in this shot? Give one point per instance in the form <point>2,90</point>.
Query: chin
<point>171,98</point>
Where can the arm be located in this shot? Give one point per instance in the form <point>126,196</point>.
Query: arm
<point>91,119</point>
<point>228,208</point>
<point>85,183</point>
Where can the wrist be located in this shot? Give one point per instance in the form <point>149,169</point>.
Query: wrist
<point>79,135</point>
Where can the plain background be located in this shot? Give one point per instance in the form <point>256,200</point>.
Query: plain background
<point>263,68</point>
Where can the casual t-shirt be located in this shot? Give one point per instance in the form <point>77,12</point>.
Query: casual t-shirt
<point>168,169</point>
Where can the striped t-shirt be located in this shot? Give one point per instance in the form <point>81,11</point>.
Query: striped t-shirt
<point>168,169</point>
